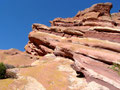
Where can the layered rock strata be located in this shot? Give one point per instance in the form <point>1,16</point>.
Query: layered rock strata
<point>78,53</point>
<point>91,39</point>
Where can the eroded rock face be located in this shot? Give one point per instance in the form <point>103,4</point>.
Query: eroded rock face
<point>89,43</point>
<point>101,8</point>
<point>15,58</point>
<point>91,39</point>
<point>49,72</point>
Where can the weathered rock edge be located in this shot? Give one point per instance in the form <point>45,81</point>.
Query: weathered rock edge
<point>91,39</point>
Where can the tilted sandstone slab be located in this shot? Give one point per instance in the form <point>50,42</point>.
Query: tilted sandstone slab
<point>42,44</point>
<point>89,42</point>
<point>96,53</point>
<point>95,49</point>
<point>91,39</point>
<point>104,33</point>
<point>53,41</point>
<point>61,31</point>
<point>97,71</point>
<point>106,29</point>
<point>37,50</point>
<point>114,37</point>
<point>97,43</point>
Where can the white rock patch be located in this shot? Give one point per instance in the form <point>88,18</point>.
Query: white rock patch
<point>33,84</point>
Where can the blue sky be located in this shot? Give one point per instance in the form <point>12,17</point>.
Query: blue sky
<point>17,16</point>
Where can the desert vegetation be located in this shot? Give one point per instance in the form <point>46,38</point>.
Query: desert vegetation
<point>2,71</point>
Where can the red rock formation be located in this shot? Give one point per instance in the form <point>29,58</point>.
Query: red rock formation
<point>91,39</point>
<point>16,58</point>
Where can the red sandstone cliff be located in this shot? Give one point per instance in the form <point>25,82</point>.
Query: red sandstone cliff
<point>89,43</point>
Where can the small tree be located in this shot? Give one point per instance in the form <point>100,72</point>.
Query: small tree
<point>2,71</point>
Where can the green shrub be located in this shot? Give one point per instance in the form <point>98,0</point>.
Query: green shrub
<point>116,67</point>
<point>2,71</point>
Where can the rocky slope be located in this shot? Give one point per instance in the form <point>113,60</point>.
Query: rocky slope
<point>78,53</point>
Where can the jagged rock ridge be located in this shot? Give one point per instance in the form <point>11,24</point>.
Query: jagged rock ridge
<point>89,43</point>
<point>91,39</point>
